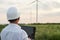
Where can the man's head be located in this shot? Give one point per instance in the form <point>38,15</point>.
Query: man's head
<point>12,15</point>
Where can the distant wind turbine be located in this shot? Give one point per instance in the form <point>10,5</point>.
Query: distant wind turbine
<point>36,9</point>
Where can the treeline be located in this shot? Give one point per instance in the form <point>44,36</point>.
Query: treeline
<point>36,24</point>
<point>45,23</point>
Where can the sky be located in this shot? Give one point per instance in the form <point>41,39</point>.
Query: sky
<point>48,10</point>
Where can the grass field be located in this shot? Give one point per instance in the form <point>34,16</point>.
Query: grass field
<point>45,32</point>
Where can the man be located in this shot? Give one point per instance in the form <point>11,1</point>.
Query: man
<point>13,31</point>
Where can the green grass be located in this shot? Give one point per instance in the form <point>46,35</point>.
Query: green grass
<point>45,32</point>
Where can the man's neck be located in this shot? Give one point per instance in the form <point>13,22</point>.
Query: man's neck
<point>15,23</point>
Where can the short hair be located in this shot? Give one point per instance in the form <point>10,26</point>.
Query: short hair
<point>12,21</point>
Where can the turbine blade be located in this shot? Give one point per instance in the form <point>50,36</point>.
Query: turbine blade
<point>38,1</point>
<point>32,2</point>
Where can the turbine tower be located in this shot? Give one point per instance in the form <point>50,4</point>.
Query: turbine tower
<point>36,11</point>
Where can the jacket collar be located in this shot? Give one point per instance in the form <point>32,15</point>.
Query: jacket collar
<point>13,24</point>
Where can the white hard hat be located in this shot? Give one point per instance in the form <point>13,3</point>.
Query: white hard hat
<point>12,13</point>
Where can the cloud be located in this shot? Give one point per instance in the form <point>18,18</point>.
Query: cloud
<point>49,5</point>
<point>54,19</point>
<point>56,4</point>
<point>52,14</point>
<point>9,2</point>
<point>3,19</point>
<point>2,1</point>
<point>2,10</point>
<point>44,6</point>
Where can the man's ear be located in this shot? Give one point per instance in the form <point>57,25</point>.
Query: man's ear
<point>18,18</point>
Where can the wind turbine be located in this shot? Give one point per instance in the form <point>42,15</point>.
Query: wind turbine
<point>36,9</point>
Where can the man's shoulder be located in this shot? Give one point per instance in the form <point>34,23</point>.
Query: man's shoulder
<point>23,32</point>
<point>4,28</point>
